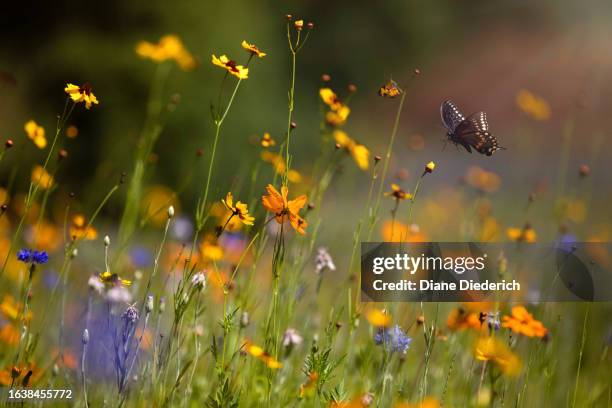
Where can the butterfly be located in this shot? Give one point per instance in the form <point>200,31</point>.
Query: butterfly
<point>472,132</point>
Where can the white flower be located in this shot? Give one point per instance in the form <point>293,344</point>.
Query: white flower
<point>118,294</point>
<point>291,338</point>
<point>95,284</point>
<point>199,280</point>
<point>323,261</point>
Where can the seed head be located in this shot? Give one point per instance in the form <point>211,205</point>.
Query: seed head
<point>584,170</point>
<point>325,78</point>
<point>310,25</point>
<point>106,241</point>
<point>352,88</point>
<point>8,144</point>
<point>171,211</point>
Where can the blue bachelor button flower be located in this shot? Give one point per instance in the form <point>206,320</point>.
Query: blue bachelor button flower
<point>24,255</point>
<point>40,257</point>
<point>394,339</point>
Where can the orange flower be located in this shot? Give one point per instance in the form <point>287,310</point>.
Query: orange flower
<point>9,335</point>
<point>282,208</point>
<point>79,229</point>
<point>239,210</point>
<point>522,322</point>
<point>492,349</point>
<point>525,234</point>
<point>260,354</point>
<point>399,232</point>
<point>461,319</point>
<point>378,318</point>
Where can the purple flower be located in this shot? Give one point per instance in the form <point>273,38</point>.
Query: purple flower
<point>394,339</point>
<point>131,314</point>
<point>28,256</point>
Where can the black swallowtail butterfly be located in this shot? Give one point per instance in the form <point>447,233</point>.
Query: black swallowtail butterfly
<point>470,132</point>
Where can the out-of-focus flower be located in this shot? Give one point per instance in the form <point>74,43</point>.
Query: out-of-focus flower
<point>11,309</point>
<point>292,338</point>
<point>390,89</point>
<point>308,388</point>
<point>427,402</point>
<point>522,322</point>
<point>378,318</point>
<point>181,228</point>
<point>429,167</point>
<point>72,132</point>
<point>198,280</point>
<point>253,49</point>
<point>170,47</point>
<point>95,284</point>
<point>83,93</point>
<point>239,210</point>
<point>260,354</point>
<point>155,204</point>
<point>482,180</point>
<point>130,314</point>
<point>525,234</point>
<point>285,209</point>
<point>397,193</point>
<point>230,66</point>
<point>323,261</point>
<point>44,235</point>
<point>359,152</point>
<point>337,117</point>
<point>9,334</point>
<point>533,105</point>
<point>397,231</point>
<point>42,178</point>
<point>489,348</point>
<point>210,249</point>
<point>118,295</point>
<point>461,319</point>
<point>266,140</point>
<point>29,256</point>
<point>36,133</point>
<point>329,97</point>
<point>80,230</point>
<point>279,165</point>
<point>394,339</point>
<point>113,279</point>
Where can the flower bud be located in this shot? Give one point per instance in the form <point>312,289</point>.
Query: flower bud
<point>171,211</point>
<point>85,336</point>
<point>8,144</point>
<point>299,24</point>
<point>162,305</point>
<point>106,241</point>
<point>149,304</point>
<point>429,167</point>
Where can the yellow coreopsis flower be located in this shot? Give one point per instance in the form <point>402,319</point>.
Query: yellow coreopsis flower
<point>41,177</point>
<point>83,93</point>
<point>267,141</point>
<point>390,90</point>
<point>359,152</point>
<point>239,210</point>
<point>329,97</point>
<point>397,193</point>
<point>260,354</point>
<point>495,350</point>
<point>525,234</point>
<point>338,117</point>
<point>429,167</point>
<point>170,47</point>
<point>230,66</point>
<point>253,49</point>
<point>36,133</point>
<point>80,230</point>
<point>534,106</point>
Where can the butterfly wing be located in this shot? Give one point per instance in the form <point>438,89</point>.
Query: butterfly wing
<point>451,115</point>
<point>474,132</point>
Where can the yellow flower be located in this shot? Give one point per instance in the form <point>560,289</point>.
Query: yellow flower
<point>284,209</point>
<point>338,117</point>
<point>9,334</point>
<point>378,318</point>
<point>533,105</point>
<point>170,47</point>
<point>522,322</point>
<point>360,153</point>
<point>113,279</point>
<point>483,180</point>
<point>299,24</point>
<point>81,93</point>
<point>253,49</point>
<point>427,402</point>
<point>525,234</point>
<point>210,249</point>
<point>279,165</point>
<point>397,193</point>
<point>36,133</point>
<point>492,349</point>
<point>42,178</point>
<point>240,209</point>
<point>44,236</point>
<point>330,98</point>
<point>429,167</point>
<point>390,90</point>
<point>230,66</point>
<point>397,231</point>
<point>267,141</point>
<point>260,354</point>
<point>80,230</point>
<point>155,203</point>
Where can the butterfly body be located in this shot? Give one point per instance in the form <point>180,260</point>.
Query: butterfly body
<point>471,132</point>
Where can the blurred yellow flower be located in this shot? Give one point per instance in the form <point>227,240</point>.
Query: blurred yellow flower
<point>9,335</point>
<point>45,236</point>
<point>399,232</point>
<point>397,193</point>
<point>533,105</point>
<point>79,229</point>
<point>253,49</point>
<point>170,47</point>
<point>489,348</point>
<point>284,209</point>
<point>72,132</point>
<point>525,234</point>
<point>299,24</point>
<point>427,402</point>
<point>359,152</point>
<point>210,249</point>
<point>82,93</point>
<point>41,177</point>
<point>337,118</point>
<point>378,318</point>
<point>12,310</point>
<point>430,167</point>
<point>36,133</point>
<point>390,90</point>
<point>522,322</point>
<point>155,204</point>
<point>267,141</point>
<point>239,210</point>
<point>260,354</point>
<point>330,98</point>
<point>230,66</point>
<point>482,180</point>
<point>279,165</point>
<point>113,279</point>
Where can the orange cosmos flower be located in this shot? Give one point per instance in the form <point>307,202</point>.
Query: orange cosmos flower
<point>284,209</point>
<point>378,318</point>
<point>522,322</point>
<point>239,210</point>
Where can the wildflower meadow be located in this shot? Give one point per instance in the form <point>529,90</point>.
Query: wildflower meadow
<point>181,217</point>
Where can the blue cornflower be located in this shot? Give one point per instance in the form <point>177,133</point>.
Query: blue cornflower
<point>28,256</point>
<point>395,339</point>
